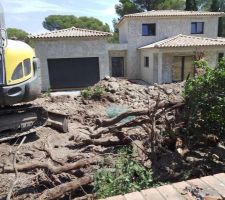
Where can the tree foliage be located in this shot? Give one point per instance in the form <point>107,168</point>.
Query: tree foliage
<point>126,7</point>
<point>58,22</point>
<point>14,33</point>
<point>172,4</point>
<point>128,176</point>
<point>191,5</point>
<point>216,6</point>
<point>134,6</point>
<point>205,100</point>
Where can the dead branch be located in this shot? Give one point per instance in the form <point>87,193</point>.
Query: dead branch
<point>59,191</point>
<point>136,112</point>
<point>15,170</point>
<point>105,142</point>
<point>47,148</point>
<point>48,166</point>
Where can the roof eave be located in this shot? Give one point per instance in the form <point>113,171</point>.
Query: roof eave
<point>167,47</point>
<point>220,14</point>
<point>72,37</point>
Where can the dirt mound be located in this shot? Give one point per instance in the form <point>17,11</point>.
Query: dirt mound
<point>129,112</point>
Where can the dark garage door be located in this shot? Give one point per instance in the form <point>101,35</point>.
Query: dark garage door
<point>73,72</point>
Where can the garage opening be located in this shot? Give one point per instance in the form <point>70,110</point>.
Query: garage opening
<point>73,73</point>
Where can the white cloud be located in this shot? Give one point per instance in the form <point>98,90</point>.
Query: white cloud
<point>108,11</point>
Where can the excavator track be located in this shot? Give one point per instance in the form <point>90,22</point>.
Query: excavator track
<point>18,121</point>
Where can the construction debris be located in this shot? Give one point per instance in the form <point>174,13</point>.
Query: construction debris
<point>53,165</point>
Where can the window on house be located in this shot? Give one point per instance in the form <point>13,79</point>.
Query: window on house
<point>197,27</point>
<point>146,64</point>
<point>220,56</point>
<point>148,29</point>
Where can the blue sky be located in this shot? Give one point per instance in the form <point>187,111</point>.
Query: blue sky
<point>29,14</point>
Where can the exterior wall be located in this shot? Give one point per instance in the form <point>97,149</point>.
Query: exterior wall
<point>71,48</point>
<point>123,33</point>
<point>149,74</point>
<point>118,54</point>
<point>165,27</point>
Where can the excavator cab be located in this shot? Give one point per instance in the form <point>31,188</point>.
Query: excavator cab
<point>19,83</point>
<point>19,70</point>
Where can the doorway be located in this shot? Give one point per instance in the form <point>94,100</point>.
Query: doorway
<point>118,66</point>
<point>182,68</point>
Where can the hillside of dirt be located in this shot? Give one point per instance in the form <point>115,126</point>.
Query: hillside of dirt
<point>49,159</point>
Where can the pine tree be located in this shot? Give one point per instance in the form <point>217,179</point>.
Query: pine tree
<point>191,5</point>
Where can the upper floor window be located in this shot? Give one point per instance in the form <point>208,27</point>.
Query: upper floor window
<point>197,27</point>
<point>148,29</point>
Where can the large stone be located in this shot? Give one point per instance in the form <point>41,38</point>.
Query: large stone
<point>113,87</point>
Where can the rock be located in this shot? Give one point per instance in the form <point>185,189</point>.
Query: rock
<point>169,91</point>
<point>112,79</point>
<point>106,78</point>
<point>151,87</point>
<point>110,98</point>
<point>113,87</point>
<point>193,159</point>
<point>132,96</point>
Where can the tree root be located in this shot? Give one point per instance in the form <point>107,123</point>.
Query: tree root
<point>47,166</point>
<point>59,191</point>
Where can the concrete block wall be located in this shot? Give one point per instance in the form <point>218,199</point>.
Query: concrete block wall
<point>71,48</point>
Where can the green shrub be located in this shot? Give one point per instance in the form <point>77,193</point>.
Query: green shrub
<point>205,100</point>
<point>98,91</point>
<point>86,93</point>
<point>128,175</point>
<point>93,92</point>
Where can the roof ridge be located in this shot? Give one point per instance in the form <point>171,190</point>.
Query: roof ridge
<point>173,11</point>
<point>85,29</point>
<point>205,38</point>
<point>186,41</point>
<point>161,42</point>
<point>71,32</point>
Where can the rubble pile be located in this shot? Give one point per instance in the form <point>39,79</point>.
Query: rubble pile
<point>147,118</point>
<point>136,93</point>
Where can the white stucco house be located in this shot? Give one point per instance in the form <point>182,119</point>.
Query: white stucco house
<point>155,46</point>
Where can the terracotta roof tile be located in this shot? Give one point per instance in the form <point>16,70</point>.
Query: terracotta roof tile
<point>161,13</point>
<point>71,33</point>
<point>186,41</point>
<point>171,13</point>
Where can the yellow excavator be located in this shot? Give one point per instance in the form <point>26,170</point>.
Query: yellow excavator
<point>20,83</point>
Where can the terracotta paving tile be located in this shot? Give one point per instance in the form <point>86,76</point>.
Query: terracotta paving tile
<point>120,197</point>
<point>221,177</point>
<point>215,184</point>
<point>181,188</point>
<point>169,193</point>
<point>134,196</point>
<point>152,194</point>
<point>205,189</point>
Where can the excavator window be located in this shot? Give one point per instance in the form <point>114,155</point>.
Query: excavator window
<point>18,73</point>
<point>1,71</point>
<point>27,66</point>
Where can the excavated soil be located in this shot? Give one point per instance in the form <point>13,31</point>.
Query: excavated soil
<point>120,95</point>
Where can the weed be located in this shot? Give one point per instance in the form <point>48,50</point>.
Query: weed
<point>127,175</point>
<point>93,92</point>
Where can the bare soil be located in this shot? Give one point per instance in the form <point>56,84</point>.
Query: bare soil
<point>179,158</point>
